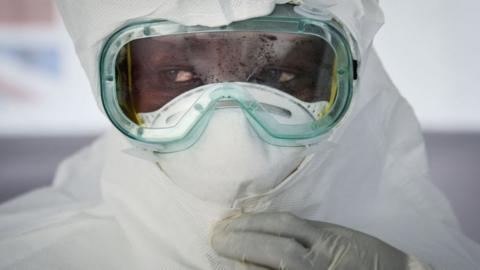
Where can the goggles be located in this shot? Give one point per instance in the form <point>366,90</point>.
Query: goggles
<point>292,77</point>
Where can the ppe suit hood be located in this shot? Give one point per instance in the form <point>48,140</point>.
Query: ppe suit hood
<point>369,174</point>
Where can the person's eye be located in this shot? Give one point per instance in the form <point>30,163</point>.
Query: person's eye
<point>277,75</point>
<point>286,77</point>
<point>179,75</point>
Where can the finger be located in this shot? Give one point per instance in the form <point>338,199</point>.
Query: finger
<point>279,224</point>
<point>262,249</point>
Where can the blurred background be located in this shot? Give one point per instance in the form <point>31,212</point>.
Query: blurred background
<point>430,48</point>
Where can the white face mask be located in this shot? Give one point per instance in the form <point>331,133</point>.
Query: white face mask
<point>230,162</point>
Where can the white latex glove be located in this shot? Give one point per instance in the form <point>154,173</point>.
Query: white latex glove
<point>284,241</point>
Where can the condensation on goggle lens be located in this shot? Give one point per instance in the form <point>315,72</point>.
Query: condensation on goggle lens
<point>152,71</point>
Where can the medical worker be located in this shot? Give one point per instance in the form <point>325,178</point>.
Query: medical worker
<point>252,134</point>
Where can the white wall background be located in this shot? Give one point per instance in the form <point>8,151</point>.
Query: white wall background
<point>432,50</point>
<point>60,105</point>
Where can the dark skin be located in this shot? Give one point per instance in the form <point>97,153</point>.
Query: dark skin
<point>163,68</point>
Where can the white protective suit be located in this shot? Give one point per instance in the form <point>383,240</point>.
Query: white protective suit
<point>110,210</point>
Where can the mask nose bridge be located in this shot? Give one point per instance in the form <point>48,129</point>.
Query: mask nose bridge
<point>230,92</point>
<point>227,88</point>
<point>231,95</point>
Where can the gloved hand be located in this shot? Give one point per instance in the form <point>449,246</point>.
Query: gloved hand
<point>284,241</point>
